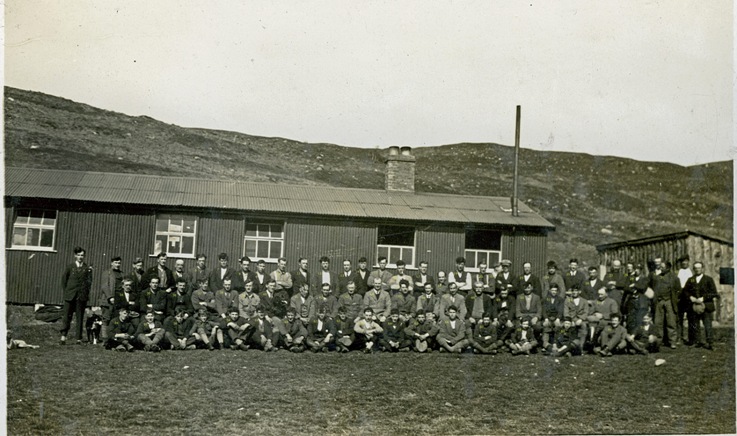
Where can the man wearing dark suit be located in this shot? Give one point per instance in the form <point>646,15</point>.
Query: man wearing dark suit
<point>420,278</point>
<point>485,277</point>
<point>323,276</point>
<point>136,275</point>
<point>362,277</point>
<point>198,273</point>
<point>478,305</point>
<point>345,276</point>
<point>527,277</point>
<point>75,283</point>
<point>301,276</point>
<point>160,270</point>
<point>504,279</point>
<point>592,284</point>
<point>223,271</point>
<point>573,277</point>
<point>701,292</point>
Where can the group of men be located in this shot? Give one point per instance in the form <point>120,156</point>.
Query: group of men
<point>485,312</point>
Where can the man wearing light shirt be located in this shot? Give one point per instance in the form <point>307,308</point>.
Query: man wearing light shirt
<point>282,277</point>
<point>420,278</point>
<point>381,274</point>
<point>394,281</point>
<point>684,273</point>
<point>460,276</point>
<point>323,276</point>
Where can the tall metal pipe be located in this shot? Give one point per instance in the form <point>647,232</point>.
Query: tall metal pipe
<point>515,200</point>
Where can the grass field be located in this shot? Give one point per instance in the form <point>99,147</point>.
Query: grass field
<point>83,389</point>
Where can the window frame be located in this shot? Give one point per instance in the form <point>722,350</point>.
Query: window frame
<point>393,265</point>
<point>157,233</point>
<point>468,252</point>
<point>40,227</point>
<point>269,239</point>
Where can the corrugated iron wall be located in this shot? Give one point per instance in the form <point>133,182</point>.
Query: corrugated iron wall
<point>439,244</point>
<point>106,231</point>
<point>338,240</point>
<point>524,246</point>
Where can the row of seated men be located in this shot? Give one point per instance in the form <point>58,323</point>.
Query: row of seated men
<point>505,314</point>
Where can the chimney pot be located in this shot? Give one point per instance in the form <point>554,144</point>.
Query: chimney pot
<point>400,170</point>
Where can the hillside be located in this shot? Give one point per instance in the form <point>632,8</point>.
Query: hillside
<point>591,199</point>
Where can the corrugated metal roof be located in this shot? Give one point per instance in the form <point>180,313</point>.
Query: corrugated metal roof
<point>658,238</point>
<point>265,197</point>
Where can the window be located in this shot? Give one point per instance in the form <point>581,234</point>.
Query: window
<point>34,229</point>
<point>264,241</point>
<point>175,234</point>
<point>483,246</point>
<point>396,243</point>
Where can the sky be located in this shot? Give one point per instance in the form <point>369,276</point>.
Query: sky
<point>647,80</point>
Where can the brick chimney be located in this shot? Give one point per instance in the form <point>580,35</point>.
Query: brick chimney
<point>400,170</point>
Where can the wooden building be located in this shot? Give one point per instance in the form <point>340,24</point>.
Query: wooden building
<point>717,255</point>
<point>49,212</point>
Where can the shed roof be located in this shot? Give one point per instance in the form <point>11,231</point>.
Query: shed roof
<point>264,197</point>
<point>659,238</point>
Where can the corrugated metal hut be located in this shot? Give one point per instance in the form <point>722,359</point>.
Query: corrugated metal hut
<point>717,255</point>
<point>48,212</point>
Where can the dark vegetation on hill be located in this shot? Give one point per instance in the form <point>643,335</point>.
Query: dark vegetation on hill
<point>591,199</point>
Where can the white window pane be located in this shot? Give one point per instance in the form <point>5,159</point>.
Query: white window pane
<point>49,218</point>
<point>407,255</point>
<point>22,217</point>
<point>470,258</point>
<point>263,231</point>
<point>174,244</point>
<point>277,231</point>
<point>19,236</point>
<point>175,226</point>
<point>251,230</point>
<point>251,248</point>
<point>382,251</point>
<point>395,253</point>
<point>162,225</point>
<point>35,217</point>
<point>159,244</point>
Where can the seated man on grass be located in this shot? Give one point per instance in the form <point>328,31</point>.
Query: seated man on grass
<point>567,339</point>
<point>120,332</point>
<point>452,332</point>
<point>421,331</point>
<point>394,339</point>
<point>645,337</point>
<point>344,335</point>
<point>294,339</point>
<point>262,334</point>
<point>150,332</point>
<point>524,341</point>
<point>367,331</point>
<point>321,332</point>
<point>612,338</point>
<point>176,329</point>
<point>205,332</point>
<point>238,330</point>
<point>484,339</point>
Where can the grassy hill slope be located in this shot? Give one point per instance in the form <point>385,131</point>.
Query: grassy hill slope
<point>591,199</point>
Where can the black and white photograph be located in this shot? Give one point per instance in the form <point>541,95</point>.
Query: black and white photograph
<point>368,217</point>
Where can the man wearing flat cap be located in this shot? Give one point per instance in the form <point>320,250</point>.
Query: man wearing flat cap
<point>504,279</point>
<point>553,277</point>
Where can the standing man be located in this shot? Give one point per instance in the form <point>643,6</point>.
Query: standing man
<point>363,276</point>
<point>179,272</point>
<point>381,274</point>
<point>345,276</point>
<point>573,277</point>
<point>136,276</point>
<point>553,277</point>
<point>282,277</point>
<point>399,276</point>
<point>323,276</point>
<point>684,304</point>
<point>528,278</point>
<point>300,277</point>
<point>442,287</point>
<point>197,274</point>
<point>420,278</point>
<point>617,275</point>
<point>461,277</point>
<point>160,270</point>
<point>76,283</point>
<point>112,283</point>
<point>666,289</point>
<point>239,278</point>
<point>485,277</point>
<point>592,285</point>
<point>261,277</point>
<point>701,292</point>
<point>504,279</point>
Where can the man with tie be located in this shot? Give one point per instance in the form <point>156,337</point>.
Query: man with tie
<point>76,283</point>
<point>460,276</point>
<point>573,277</point>
<point>420,278</point>
<point>241,277</point>
<point>701,292</point>
<point>504,279</point>
<point>300,276</point>
<point>217,275</point>
<point>345,276</point>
